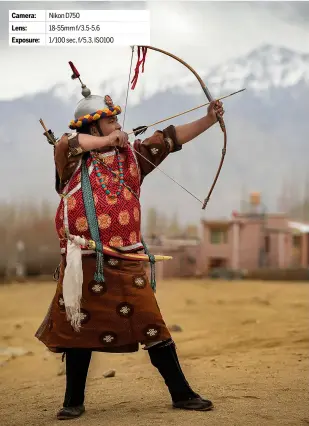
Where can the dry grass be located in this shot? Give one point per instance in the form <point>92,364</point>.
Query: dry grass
<point>244,345</point>
<point>34,225</point>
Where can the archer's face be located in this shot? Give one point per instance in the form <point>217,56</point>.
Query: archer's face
<point>109,125</point>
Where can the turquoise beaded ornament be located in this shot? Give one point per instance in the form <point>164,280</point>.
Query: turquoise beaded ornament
<point>101,180</point>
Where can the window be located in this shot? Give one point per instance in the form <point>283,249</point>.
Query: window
<point>296,241</point>
<point>218,236</point>
<point>267,243</point>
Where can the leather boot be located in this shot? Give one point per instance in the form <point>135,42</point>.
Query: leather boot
<point>164,357</point>
<point>77,364</point>
<point>67,413</point>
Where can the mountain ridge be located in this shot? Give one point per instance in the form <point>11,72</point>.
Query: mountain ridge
<point>267,142</point>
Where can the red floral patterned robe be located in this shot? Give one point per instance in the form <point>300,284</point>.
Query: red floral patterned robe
<point>122,312</point>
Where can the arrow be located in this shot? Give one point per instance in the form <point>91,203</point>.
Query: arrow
<point>142,129</point>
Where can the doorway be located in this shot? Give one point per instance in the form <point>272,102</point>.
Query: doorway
<point>217,262</point>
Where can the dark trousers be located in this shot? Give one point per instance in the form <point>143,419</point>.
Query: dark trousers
<point>163,356</point>
<point>77,364</point>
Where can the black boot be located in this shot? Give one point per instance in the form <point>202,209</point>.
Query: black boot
<point>77,364</point>
<point>163,356</point>
<point>67,413</point>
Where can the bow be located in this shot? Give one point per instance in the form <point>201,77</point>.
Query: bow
<point>142,51</point>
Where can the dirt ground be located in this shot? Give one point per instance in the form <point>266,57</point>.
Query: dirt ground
<point>244,345</point>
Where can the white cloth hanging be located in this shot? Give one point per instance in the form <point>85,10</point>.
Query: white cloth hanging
<point>73,280</point>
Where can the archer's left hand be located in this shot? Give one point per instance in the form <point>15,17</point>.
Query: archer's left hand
<point>215,108</point>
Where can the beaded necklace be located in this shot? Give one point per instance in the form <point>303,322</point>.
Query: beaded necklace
<point>96,161</point>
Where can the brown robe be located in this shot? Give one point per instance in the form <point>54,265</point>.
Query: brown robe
<point>122,312</point>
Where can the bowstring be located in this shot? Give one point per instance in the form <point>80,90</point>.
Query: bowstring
<point>137,152</point>
<point>170,177</point>
<point>128,88</point>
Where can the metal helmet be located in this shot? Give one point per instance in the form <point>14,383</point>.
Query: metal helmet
<point>92,107</point>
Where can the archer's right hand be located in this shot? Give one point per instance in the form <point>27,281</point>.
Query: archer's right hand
<point>118,138</point>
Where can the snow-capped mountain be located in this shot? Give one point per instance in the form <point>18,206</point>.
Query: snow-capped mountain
<point>262,69</point>
<point>267,133</point>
